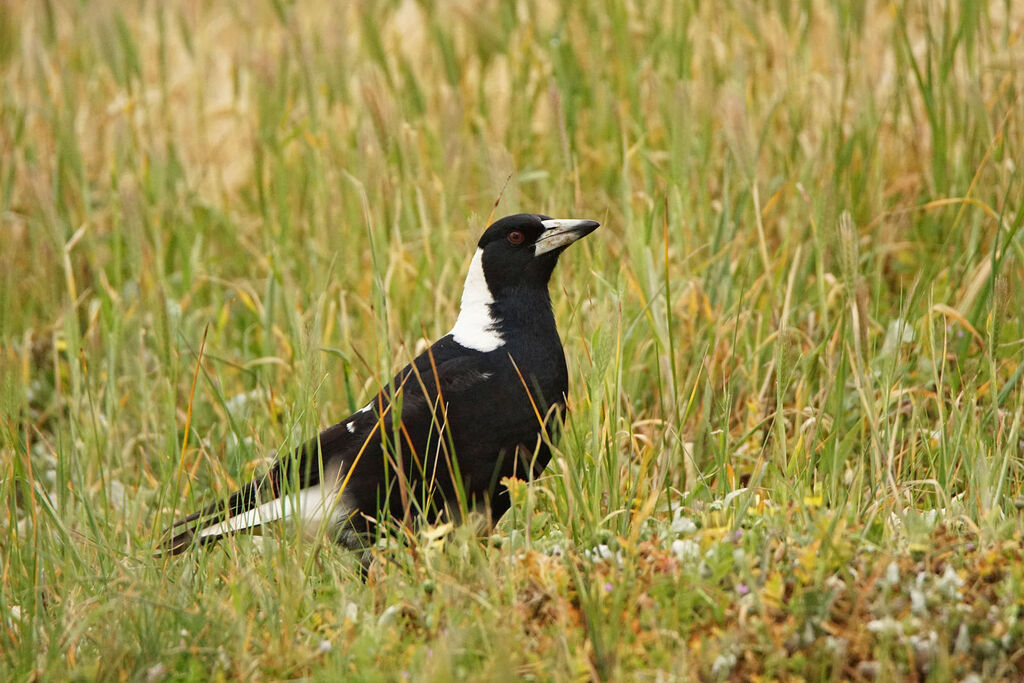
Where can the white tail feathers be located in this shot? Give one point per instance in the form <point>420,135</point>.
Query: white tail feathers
<point>311,506</point>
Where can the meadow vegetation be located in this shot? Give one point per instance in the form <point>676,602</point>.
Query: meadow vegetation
<point>795,446</point>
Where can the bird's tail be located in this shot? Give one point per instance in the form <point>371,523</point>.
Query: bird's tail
<point>201,527</point>
<point>259,502</point>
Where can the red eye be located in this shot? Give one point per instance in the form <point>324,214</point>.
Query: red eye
<point>516,237</point>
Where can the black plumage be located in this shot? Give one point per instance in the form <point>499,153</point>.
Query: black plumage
<point>436,443</point>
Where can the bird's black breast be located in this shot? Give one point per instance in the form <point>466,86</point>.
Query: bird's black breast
<point>467,420</point>
<point>498,421</point>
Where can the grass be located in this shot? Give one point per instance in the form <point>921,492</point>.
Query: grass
<point>795,346</point>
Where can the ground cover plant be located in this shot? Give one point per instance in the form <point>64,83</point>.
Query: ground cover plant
<point>795,345</point>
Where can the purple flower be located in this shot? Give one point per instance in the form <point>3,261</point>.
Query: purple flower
<point>742,589</point>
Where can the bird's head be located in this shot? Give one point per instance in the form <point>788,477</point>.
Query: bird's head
<point>522,250</point>
<point>511,268</point>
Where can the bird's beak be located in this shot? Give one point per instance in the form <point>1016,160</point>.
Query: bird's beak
<point>561,232</point>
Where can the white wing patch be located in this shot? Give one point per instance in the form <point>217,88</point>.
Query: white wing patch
<point>351,426</point>
<point>476,328</point>
<point>311,506</point>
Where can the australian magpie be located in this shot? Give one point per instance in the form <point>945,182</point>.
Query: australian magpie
<point>435,443</point>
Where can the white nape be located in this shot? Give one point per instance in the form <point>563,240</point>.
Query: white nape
<point>476,328</point>
<point>311,506</point>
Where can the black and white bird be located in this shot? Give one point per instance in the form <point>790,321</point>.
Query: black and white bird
<point>474,408</point>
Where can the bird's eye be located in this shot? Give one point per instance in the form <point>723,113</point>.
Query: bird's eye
<point>516,237</point>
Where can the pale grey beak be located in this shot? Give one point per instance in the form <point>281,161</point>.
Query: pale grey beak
<point>561,232</point>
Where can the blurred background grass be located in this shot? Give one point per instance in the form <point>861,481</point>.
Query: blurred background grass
<point>795,344</point>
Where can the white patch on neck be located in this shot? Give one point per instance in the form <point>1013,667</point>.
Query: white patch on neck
<point>476,328</point>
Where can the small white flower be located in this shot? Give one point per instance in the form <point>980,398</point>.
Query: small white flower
<point>886,626</point>
<point>602,552</point>
<point>918,603</point>
<point>925,646</point>
<point>686,550</point>
<point>949,583</point>
<point>962,644</point>
<point>156,672</point>
<point>836,646</point>
<point>835,584</point>
<point>682,526</point>
<point>723,665</point>
<point>892,574</point>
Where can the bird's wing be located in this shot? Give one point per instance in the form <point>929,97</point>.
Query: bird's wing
<point>311,482</point>
<point>302,484</point>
